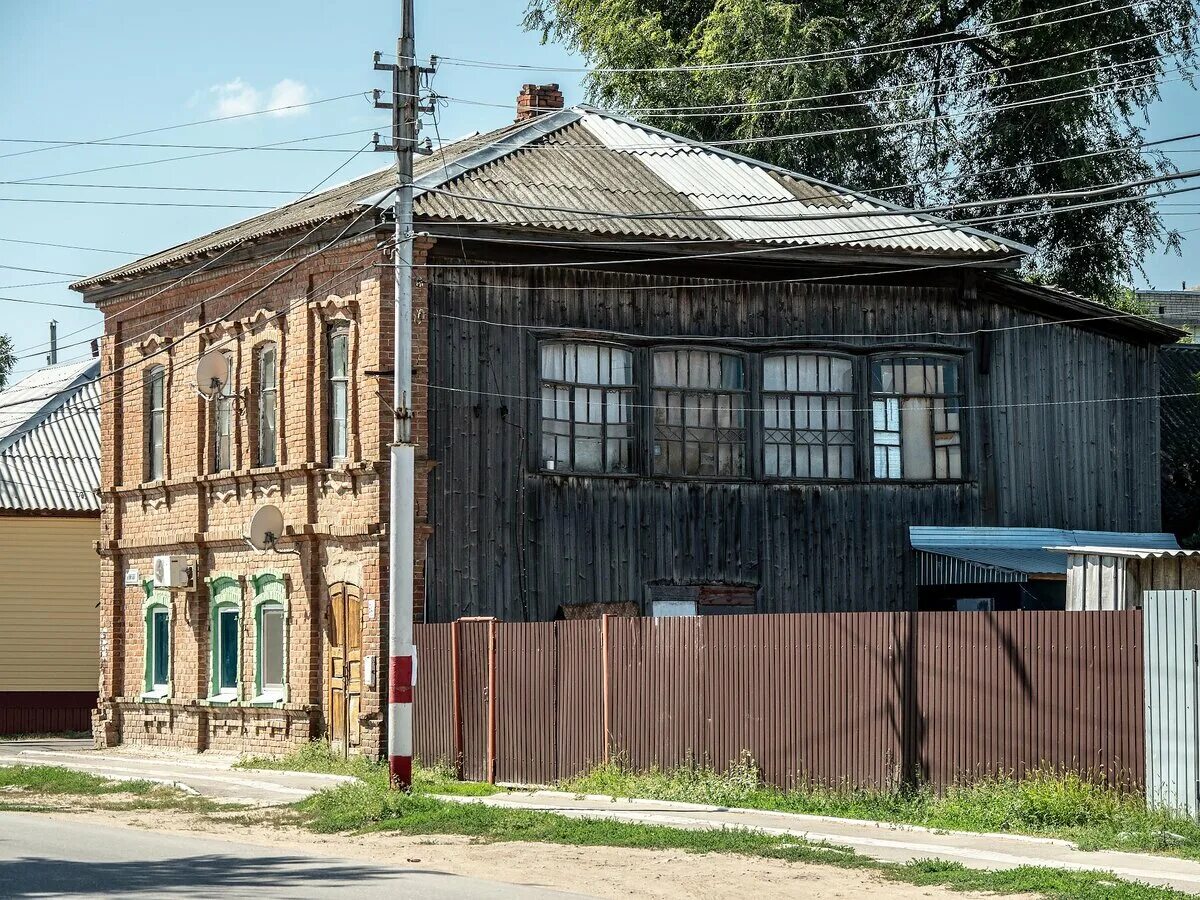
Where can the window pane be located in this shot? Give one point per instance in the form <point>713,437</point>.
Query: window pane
<point>267,395</point>
<point>271,648</point>
<point>699,427</point>
<point>156,413</point>
<point>808,430</point>
<point>917,426</point>
<point>585,429</point>
<point>227,649</point>
<point>160,640</point>
<point>338,354</point>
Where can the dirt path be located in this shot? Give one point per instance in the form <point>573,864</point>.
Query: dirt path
<point>590,871</point>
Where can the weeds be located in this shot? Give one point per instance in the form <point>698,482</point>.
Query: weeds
<point>56,780</point>
<point>1092,814</point>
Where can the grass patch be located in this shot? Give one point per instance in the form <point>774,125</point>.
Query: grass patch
<point>46,736</point>
<point>318,757</point>
<point>1091,814</point>
<point>56,780</point>
<point>369,806</point>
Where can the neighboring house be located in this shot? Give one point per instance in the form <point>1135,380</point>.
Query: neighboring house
<point>1179,385</point>
<point>649,375</point>
<point>49,571</point>
<point>1180,308</point>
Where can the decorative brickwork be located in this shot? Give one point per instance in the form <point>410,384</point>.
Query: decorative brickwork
<point>335,509</point>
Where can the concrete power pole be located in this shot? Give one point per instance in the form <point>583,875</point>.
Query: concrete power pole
<point>402,665</point>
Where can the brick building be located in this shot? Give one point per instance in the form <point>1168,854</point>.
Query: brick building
<point>567,304</point>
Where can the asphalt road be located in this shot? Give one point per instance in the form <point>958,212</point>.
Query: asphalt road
<point>49,857</point>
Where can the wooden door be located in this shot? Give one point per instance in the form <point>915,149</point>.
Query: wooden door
<point>343,666</point>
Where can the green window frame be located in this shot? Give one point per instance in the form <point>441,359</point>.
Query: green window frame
<point>225,638</point>
<point>270,649</point>
<point>156,615</point>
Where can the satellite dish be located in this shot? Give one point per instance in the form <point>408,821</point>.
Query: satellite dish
<point>266,527</point>
<point>212,371</point>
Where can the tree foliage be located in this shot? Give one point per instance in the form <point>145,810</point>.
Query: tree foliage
<point>962,111</point>
<point>8,359</point>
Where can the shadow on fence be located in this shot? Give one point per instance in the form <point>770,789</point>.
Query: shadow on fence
<point>861,699</point>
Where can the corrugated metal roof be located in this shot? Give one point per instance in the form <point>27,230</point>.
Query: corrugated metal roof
<point>1128,552</point>
<point>50,448</point>
<point>606,163</point>
<point>1033,551</point>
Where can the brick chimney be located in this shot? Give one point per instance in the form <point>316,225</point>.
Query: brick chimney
<point>536,99</point>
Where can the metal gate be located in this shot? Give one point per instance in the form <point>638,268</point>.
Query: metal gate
<point>1172,660</point>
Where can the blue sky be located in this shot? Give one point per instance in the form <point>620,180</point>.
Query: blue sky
<point>76,70</point>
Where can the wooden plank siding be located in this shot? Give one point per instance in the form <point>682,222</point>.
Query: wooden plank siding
<point>49,588</point>
<point>513,542</point>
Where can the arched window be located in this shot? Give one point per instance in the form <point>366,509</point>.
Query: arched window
<point>158,647</point>
<point>338,389</point>
<point>271,639</point>
<point>587,407</point>
<point>225,624</point>
<point>223,421</point>
<point>268,405</point>
<point>916,418</point>
<point>156,422</point>
<point>808,416</point>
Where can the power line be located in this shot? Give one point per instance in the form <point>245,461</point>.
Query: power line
<point>40,271</point>
<point>153,162</point>
<point>82,202</point>
<point>213,261</point>
<point>75,306</point>
<point>69,247</point>
<point>151,187</point>
<point>130,134</point>
<point>885,47</point>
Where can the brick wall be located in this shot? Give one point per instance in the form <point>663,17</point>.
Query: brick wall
<point>335,510</point>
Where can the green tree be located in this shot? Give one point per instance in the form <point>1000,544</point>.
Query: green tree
<point>8,359</point>
<point>933,120</point>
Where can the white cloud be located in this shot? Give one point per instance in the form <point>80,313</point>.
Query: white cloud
<point>288,93</point>
<point>237,98</point>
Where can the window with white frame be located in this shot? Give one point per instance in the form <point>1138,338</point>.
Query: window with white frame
<point>272,654</point>
<point>156,422</point>
<point>223,421</point>
<point>268,405</point>
<point>158,649</point>
<point>587,407</point>
<point>225,637</point>
<point>916,418</point>
<point>808,416</point>
<point>699,413</point>
<point>339,390</point>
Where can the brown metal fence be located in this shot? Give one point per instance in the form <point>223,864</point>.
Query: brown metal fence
<point>836,698</point>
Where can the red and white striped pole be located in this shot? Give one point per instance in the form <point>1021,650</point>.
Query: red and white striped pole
<point>402,668</point>
<point>402,663</point>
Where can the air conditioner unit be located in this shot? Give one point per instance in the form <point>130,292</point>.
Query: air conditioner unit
<point>172,572</point>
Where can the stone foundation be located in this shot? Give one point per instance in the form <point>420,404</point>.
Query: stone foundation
<point>196,725</point>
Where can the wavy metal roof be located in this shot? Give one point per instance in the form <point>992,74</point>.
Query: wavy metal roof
<point>1020,551</point>
<point>572,169</point>
<point>50,440</point>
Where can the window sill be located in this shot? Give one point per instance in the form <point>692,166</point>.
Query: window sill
<point>267,700</point>
<point>223,699</point>
<point>157,694</point>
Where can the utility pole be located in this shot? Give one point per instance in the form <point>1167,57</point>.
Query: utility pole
<point>402,663</point>
<point>52,358</point>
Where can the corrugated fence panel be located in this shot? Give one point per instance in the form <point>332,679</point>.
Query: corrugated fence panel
<point>433,697</point>
<point>579,713</point>
<point>526,722</point>
<point>474,697</point>
<point>1172,768</point>
<point>861,699</point>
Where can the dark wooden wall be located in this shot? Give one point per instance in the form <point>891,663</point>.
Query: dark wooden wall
<point>511,542</point>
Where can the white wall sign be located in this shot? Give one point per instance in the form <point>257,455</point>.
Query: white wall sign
<point>370,607</point>
<point>132,577</point>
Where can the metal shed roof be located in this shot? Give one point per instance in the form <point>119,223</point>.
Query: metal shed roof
<point>50,448</point>
<point>595,162</point>
<point>1013,554</point>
